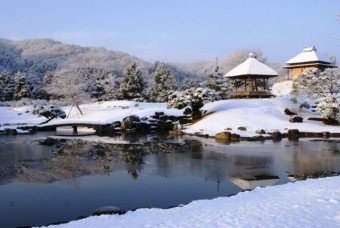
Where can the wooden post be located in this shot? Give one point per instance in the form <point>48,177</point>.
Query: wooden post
<point>75,128</point>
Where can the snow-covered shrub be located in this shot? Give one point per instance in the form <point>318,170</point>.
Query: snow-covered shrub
<point>50,112</point>
<point>329,107</point>
<point>282,88</point>
<point>322,88</point>
<point>193,97</point>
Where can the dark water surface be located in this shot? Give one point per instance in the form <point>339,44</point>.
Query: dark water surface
<point>67,179</point>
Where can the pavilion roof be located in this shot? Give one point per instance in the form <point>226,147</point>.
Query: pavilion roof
<point>309,54</point>
<point>251,67</point>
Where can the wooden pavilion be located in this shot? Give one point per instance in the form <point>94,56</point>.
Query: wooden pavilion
<point>250,79</point>
<point>309,58</point>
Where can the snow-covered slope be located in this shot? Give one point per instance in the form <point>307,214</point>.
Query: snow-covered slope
<point>311,203</point>
<point>253,114</point>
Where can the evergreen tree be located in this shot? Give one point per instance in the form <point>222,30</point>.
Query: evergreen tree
<point>195,98</point>
<point>215,80</point>
<point>165,84</point>
<point>132,85</point>
<point>21,86</point>
<point>7,87</point>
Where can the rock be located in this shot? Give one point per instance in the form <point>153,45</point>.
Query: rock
<point>141,126</point>
<point>242,128</point>
<point>164,117</point>
<point>47,141</point>
<point>260,132</point>
<point>184,121</point>
<point>187,111</point>
<point>289,113</point>
<point>326,134</point>
<point>129,122</point>
<point>175,133</point>
<point>296,119</point>
<point>108,210</point>
<point>116,124</point>
<point>293,133</point>
<point>276,135</point>
<point>159,113</point>
<point>223,135</point>
<point>10,131</point>
<point>235,137</point>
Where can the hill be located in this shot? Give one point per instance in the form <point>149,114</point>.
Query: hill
<point>35,59</point>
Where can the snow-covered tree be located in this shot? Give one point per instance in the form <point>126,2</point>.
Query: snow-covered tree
<point>215,80</point>
<point>105,85</point>
<point>64,86</point>
<point>7,86</point>
<point>22,89</point>
<point>321,87</point>
<point>194,98</point>
<point>165,84</point>
<point>50,112</point>
<point>132,85</point>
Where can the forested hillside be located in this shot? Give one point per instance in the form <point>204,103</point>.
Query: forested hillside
<point>47,69</point>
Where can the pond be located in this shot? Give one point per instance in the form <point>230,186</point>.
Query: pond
<point>57,180</point>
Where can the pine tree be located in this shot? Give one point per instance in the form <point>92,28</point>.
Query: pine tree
<point>215,80</point>
<point>165,84</point>
<point>132,85</point>
<point>21,86</point>
<point>195,98</point>
<point>7,87</point>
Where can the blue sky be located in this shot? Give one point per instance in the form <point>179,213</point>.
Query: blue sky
<point>179,30</point>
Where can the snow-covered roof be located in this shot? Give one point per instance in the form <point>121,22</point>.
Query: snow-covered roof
<point>251,67</point>
<point>309,54</point>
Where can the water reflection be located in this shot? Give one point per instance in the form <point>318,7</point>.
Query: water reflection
<point>149,171</point>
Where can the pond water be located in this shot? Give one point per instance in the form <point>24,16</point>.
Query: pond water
<point>63,180</point>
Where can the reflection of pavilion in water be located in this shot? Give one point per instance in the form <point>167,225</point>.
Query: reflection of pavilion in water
<point>253,171</point>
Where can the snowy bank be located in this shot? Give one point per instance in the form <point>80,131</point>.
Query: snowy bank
<point>253,115</point>
<point>310,203</point>
<point>220,116</point>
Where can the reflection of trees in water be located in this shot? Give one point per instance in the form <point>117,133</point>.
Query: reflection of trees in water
<point>75,158</point>
<point>316,159</point>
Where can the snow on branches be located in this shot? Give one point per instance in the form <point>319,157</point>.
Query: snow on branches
<point>50,112</point>
<point>321,87</point>
<point>193,97</point>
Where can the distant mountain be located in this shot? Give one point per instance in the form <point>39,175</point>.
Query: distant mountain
<point>36,63</point>
<point>36,58</point>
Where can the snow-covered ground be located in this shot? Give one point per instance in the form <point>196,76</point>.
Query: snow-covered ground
<point>253,114</point>
<point>311,203</point>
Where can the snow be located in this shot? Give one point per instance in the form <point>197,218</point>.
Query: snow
<point>251,67</point>
<point>220,116</point>
<point>310,203</point>
<point>282,88</point>
<point>308,54</point>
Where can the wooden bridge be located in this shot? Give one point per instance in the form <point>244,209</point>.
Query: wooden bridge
<point>97,127</point>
